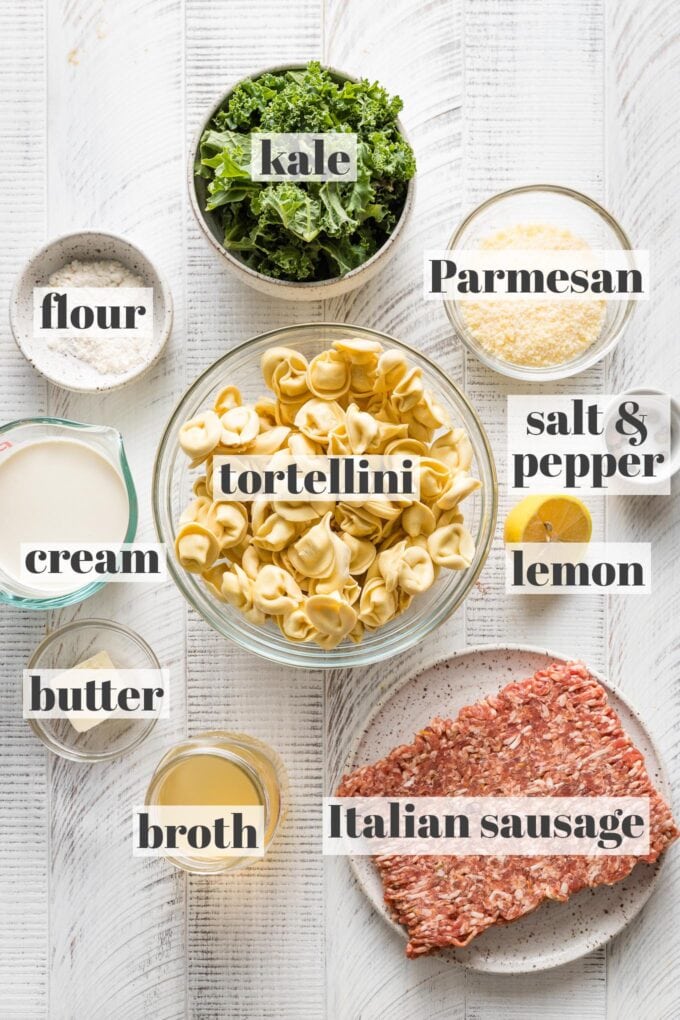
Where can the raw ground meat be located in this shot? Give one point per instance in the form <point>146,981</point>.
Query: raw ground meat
<point>553,735</point>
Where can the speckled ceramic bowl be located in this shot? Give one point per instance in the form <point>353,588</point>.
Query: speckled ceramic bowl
<point>290,289</point>
<point>556,933</point>
<point>65,371</point>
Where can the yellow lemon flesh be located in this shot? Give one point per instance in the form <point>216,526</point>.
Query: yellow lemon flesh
<point>546,518</point>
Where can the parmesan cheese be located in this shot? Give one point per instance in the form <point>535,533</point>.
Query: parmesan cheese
<point>536,332</point>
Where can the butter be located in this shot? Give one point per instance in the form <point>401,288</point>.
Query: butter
<point>69,678</point>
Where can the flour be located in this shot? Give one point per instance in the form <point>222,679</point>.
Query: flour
<point>106,355</point>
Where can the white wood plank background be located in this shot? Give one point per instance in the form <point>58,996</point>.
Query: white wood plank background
<point>99,102</point>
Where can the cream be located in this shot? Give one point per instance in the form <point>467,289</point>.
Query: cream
<point>58,490</point>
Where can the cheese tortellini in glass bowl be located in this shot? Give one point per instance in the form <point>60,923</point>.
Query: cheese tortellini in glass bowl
<point>326,582</point>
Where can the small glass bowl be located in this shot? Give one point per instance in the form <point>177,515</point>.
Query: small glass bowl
<point>105,440</point>
<point>259,761</point>
<point>65,648</point>
<point>171,490</point>
<point>563,208</point>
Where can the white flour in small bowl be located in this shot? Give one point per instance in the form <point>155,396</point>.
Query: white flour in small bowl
<point>107,355</point>
<point>101,279</point>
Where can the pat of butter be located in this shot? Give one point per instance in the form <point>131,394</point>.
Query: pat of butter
<point>69,678</point>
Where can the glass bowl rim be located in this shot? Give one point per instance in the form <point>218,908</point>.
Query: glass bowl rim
<point>550,373</point>
<point>56,746</point>
<point>293,655</point>
<point>80,594</point>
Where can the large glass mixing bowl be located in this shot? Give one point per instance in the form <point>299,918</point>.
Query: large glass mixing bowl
<point>172,492</point>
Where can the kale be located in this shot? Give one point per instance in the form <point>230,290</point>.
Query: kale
<point>306,230</point>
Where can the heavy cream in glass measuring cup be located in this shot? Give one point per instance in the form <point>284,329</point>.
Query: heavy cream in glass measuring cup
<point>60,482</point>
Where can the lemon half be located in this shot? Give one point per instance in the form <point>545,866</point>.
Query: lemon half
<point>547,518</point>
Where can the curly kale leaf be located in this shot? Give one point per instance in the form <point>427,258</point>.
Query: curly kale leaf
<point>291,206</point>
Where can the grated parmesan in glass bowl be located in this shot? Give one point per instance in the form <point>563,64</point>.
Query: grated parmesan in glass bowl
<point>539,339</point>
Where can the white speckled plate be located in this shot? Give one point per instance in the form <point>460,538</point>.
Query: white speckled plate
<point>556,933</point>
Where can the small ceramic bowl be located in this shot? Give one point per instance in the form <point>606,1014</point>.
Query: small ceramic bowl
<point>289,289</point>
<point>63,369</point>
<point>65,648</point>
<point>653,420</point>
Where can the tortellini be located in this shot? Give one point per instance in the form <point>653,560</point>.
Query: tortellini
<point>418,519</point>
<point>377,605</point>
<point>329,375</point>
<point>196,548</point>
<point>285,372</point>
<point>362,429</point>
<point>317,418</point>
<point>331,615</point>
<point>275,591</point>
<point>362,553</point>
<point>451,546</point>
<point>233,519</point>
<point>320,553</point>
<point>227,399</point>
<point>460,486</point>
<point>200,436</point>
<point>274,533</point>
<point>270,441</point>
<point>328,571</point>
<point>407,567</point>
<point>239,590</point>
<point>239,427</point>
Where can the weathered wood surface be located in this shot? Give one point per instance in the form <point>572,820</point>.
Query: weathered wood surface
<point>496,92</point>
<point>643,147</point>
